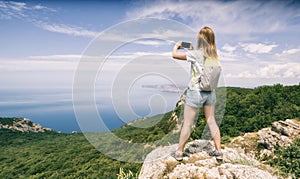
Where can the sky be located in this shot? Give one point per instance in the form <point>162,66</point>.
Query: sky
<point>43,44</point>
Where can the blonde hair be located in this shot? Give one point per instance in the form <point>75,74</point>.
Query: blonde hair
<point>207,42</point>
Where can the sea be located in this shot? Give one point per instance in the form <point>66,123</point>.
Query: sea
<point>53,108</point>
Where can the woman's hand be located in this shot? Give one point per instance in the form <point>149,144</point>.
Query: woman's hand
<point>191,47</point>
<point>176,54</point>
<point>178,45</point>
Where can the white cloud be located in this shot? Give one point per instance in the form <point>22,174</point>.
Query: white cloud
<point>31,14</point>
<point>229,48</point>
<point>167,33</point>
<point>61,28</point>
<point>139,54</point>
<point>291,51</point>
<point>280,71</point>
<point>245,74</point>
<point>289,55</point>
<point>57,57</point>
<point>2,5</point>
<point>18,6</point>
<point>149,42</point>
<point>39,7</point>
<point>257,48</point>
<point>64,59</point>
<point>36,66</point>
<point>12,9</point>
<point>228,56</point>
<point>76,57</point>
<point>288,70</point>
<point>233,17</point>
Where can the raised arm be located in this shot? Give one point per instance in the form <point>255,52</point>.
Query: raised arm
<point>178,55</point>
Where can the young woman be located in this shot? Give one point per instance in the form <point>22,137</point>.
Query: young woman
<point>196,98</point>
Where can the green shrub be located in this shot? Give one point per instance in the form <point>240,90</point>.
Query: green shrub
<point>288,159</point>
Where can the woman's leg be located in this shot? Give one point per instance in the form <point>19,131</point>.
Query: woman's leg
<point>209,112</point>
<point>189,115</point>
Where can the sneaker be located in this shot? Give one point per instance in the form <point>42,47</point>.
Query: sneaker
<point>178,155</point>
<point>218,155</point>
<point>187,151</point>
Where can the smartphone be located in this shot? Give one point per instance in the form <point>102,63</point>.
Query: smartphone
<point>185,45</point>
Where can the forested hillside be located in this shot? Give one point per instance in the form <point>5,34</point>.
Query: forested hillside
<point>248,110</point>
<point>54,155</point>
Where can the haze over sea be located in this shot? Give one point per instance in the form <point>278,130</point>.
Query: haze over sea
<point>54,108</point>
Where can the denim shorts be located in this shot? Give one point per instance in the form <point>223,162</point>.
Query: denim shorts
<point>198,99</point>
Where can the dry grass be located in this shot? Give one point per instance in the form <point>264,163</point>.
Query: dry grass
<point>170,165</point>
<point>194,158</point>
<point>247,142</point>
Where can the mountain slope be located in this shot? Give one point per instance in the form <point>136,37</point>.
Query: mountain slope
<point>22,125</point>
<point>54,155</point>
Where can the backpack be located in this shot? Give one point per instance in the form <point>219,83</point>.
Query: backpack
<point>210,75</point>
<point>209,70</point>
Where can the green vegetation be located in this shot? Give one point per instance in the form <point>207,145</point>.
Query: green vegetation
<point>150,134</point>
<point>288,159</point>
<point>248,110</point>
<point>54,155</point>
<point>8,121</point>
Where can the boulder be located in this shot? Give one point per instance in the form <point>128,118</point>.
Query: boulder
<point>24,125</point>
<point>160,164</point>
<point>240,159</point>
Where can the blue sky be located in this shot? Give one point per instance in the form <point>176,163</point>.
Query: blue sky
<point>42,43</point>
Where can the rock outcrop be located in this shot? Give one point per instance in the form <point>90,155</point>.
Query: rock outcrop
<point>262,143</point>
<point>237,164</point>
<point>22,125</point>
<point>241,156</point>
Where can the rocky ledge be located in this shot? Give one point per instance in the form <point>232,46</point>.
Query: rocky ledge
<point>262,143</point>
<point>21,124</point>
<point>242,157</point>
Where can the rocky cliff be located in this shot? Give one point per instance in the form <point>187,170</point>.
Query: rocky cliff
<point>21,124</point>
<point>243,157</point>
